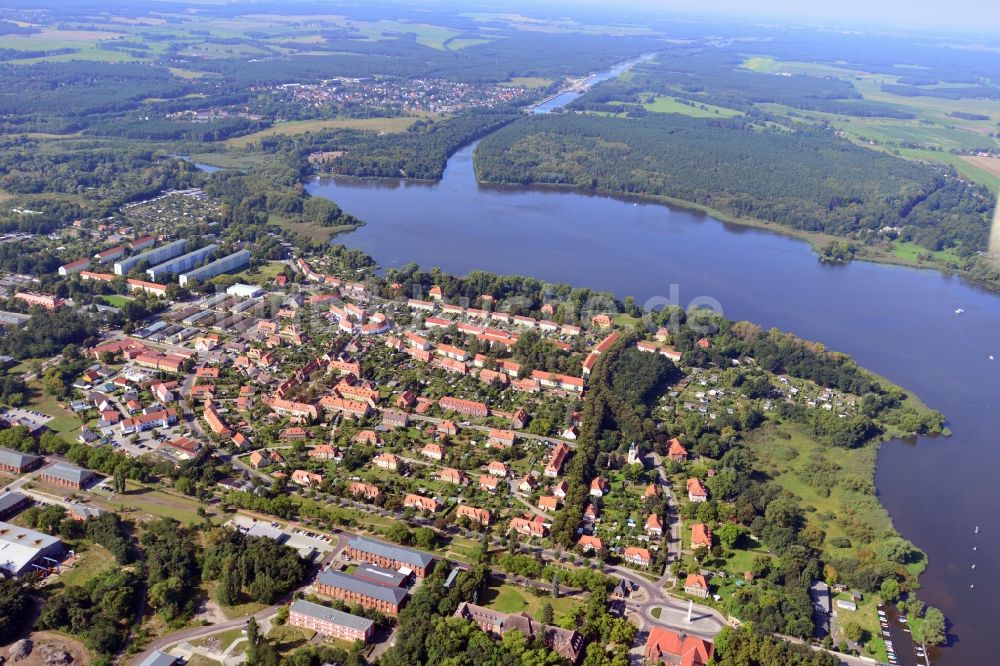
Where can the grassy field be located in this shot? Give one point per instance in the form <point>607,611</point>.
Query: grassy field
<point>199,660</point>
<point>464,43</point>
<point>220,641</point>
<point>309,230</point>
<point>93,561</point>
<point>962,165</point>
<point>230,159</point>
<point>383,125</point>
<point>508,598</point>
<point>913,252</point>
<point>156,503</point>
<point>116,300</point>
<point>865,617</point>
<point>287,638</point>
<point>433,36</point>
<point>528,82</point>
<point>260,274</point>
<point>664,104</point>
<point>790,459</point>
<point>771,66</point>
<point>63,422</point>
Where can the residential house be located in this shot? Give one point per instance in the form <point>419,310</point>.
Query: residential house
<point>528,528</point>
<point>548,503</point>
<point>676,450</point>
<point>474,514</point>
<point>654,527</point>
<point>696,585</point>
<point>588,543</point>
<point>305,478</point>
<point>701,536</point>
<point>598,487</point>
<point>421,503</point>
<point>388,461</point>
<point>638,556</point>
<point>696,490</point>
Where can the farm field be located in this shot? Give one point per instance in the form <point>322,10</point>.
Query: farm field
<point>665,104</point>
<point>384,125</point>
<point>527,82</point>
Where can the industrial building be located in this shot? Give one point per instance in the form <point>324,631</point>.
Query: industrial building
<point>226,264</point>
<point>158,658</point>
<point>67,476</point>
<point>16,462</point>
<point>22,550</point>
<point>153,257</point>
<point>241,290</point>
<point>183,263</point>
<point>12,503</point>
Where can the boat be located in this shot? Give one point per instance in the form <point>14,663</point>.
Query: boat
<point>977,530</point>
<point>959,311</point>
<point>973,567</point>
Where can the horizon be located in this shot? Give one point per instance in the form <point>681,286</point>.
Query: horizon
<point>971,17</point>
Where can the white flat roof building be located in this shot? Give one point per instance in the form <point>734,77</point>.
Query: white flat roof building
<point>244,290</point>
<point>20,548</point>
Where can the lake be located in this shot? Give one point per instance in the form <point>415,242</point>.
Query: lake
<point>897,321</point>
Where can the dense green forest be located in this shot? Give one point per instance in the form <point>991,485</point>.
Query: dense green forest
<point>715,77</point>
<point>807,179</point>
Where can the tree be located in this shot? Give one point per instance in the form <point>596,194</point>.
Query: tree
<point>730,534</point>
<point>890,590</point>
<point>13,608</point>
<point>853,631</point>
<point>119,479</point>
<point>935,626</point>
<point>548,615</point>
<point>230,587</point>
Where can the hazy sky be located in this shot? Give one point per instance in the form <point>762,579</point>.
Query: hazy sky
<point>977,14</point>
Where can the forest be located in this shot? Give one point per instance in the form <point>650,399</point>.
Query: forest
<point>807,179</point>
<point>715,77</point>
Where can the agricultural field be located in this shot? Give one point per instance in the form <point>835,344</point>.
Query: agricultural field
<point>666,104</point>
<point>527,82</point>
<point>381,125</point>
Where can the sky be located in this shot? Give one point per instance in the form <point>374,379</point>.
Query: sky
<point>975,14</point>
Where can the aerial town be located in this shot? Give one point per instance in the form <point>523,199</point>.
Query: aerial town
<point>424,95</point>
<point>375,433</point>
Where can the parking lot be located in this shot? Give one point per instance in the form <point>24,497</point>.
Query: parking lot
<point>309,544</point>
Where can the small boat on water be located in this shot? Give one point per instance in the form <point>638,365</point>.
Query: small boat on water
<point>977,530</point>
<point>959,311</point>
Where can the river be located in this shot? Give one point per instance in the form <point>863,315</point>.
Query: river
<point>899,322</point>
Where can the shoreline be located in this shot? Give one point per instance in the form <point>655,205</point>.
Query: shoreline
<point>813,238</point>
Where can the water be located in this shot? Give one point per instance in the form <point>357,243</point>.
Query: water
<point>562,99</point>
<point>897,321</point>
